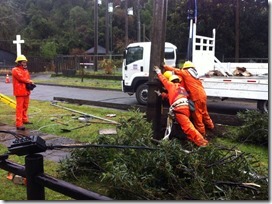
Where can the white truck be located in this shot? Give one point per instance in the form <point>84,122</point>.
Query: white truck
<point>135,68</point>
<point>135,72</point>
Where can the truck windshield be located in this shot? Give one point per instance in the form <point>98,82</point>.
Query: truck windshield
<point>169,53</point>
<point>134,54</point>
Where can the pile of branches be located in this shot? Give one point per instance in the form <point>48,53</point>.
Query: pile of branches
<point>171,170</point>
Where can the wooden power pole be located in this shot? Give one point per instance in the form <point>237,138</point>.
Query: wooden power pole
<point>154,109</point>
<point>237,30</point>
<point>95,33</point>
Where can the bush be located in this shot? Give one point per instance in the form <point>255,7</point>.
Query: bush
<point>107,65</point>
<point>254,129</point>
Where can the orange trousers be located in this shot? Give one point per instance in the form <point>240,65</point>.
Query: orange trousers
<point>22,103</point>
<point>182,114</point>
<point>201,117</point>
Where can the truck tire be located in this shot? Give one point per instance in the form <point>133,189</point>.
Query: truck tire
<point>142,94</point>
<point>262,105</point>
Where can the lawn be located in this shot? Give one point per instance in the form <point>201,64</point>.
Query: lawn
<point>86,82</point>
<point>51,120</point>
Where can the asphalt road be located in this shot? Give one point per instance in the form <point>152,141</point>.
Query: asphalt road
<point>48,92</point>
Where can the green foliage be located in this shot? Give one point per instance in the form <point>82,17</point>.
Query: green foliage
<point>169,171</point>
<point>49,50</point>
<point>254,129</point>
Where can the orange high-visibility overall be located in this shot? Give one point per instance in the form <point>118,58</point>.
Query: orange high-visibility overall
<point>20,77</point>
<point>197,94</point>
<point>177,97</point>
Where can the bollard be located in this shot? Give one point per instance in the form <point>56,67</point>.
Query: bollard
<point>34,168</point>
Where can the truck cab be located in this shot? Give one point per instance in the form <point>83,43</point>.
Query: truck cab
<point>136,65</point>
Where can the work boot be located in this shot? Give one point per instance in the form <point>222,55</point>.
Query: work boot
<point>20,128</point>
<point>28,123</point>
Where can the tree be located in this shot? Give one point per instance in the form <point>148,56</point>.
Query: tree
<point>49,51</point>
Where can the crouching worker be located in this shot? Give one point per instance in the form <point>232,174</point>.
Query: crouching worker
<point>179,107</point>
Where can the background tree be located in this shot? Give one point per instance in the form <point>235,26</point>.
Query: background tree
<point>70,25</point>
<point>49,51</point>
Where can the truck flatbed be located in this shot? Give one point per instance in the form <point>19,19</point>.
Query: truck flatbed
<point>237,87</point>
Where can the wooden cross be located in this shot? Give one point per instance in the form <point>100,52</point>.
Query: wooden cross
<point>18,43</point>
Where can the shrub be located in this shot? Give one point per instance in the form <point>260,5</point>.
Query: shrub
<point>107,65</point>
<point>254,129</point>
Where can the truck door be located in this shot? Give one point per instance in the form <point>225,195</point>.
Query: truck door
<point>133,64</point>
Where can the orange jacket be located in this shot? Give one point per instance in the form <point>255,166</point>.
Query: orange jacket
<point>20,77</point>
<point>192,85</point>
<point>175,90</point>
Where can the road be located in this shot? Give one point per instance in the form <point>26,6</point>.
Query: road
<point>48,92</point>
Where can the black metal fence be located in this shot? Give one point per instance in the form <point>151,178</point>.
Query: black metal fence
<point>71,63</point>
<point>64,63</point>
<point>37,180</point>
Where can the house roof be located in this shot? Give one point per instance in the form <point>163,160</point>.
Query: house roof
<point>100,50</point>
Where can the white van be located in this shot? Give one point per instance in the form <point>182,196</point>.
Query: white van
<point>136,65</point>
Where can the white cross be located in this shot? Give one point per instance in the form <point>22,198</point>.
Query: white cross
<point>18,43</point>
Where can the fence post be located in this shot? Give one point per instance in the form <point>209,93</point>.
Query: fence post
<point>34,167</point>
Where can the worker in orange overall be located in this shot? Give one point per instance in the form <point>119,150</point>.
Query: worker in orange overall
<point>20,79</point>
<point>197,94</point>
<point>179,107</point>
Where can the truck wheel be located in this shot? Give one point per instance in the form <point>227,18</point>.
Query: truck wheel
<point>262,105</point>
<point>142,94</point>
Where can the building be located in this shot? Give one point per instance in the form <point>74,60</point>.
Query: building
<point>7,59</point>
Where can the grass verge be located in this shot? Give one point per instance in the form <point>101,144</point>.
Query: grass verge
<point>85,82</point>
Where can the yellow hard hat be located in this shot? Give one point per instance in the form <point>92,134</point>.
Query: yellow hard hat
<point>167,74</point>
<point>188,64</point>
<point>173,77</point>
<point>20,58</point>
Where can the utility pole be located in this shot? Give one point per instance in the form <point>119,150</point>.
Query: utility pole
<point>110,10</point>
<point>95,33</point>
<point>192,18</point>
<point>143,32</point>
<point>237,30</point>
<point>107,27</point>
<point>154,108</point>
<point>139,21</point>
<point>126,23</point>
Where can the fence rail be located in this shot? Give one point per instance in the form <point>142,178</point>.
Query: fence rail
<point>37,180</point>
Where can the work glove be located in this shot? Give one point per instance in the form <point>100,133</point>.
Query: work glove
<point>158,92</point>
<point>157,69</point>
